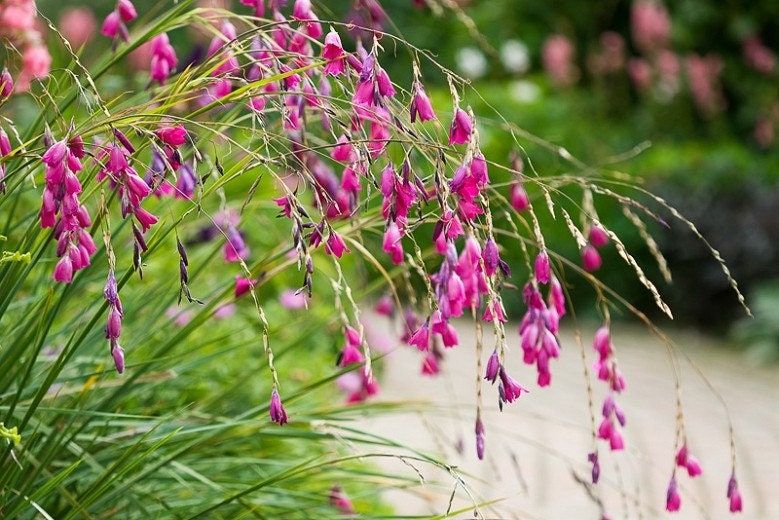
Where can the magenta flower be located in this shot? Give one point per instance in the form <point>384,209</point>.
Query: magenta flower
<point>493,367</point>
<point>163,60</point>
<point>591,260</point>
<point>63,271</point>
<point>542,269</point>
<point>686,460</point>
<point>734,495</point>
<point>276,409</point>
<point>351,353</point>
<point>340,501</point>
<point>420,105</point>
<point>111,25</point>
<point>673,501</point>
<point>598,236</point>
<point>509,389</point>
<point>518,197</point>
<point>430,365</point>
<point>258,5</point>
<point>421,338</point>
<point>333,52</point>
<point>335,245</point>
<point>6,83</point>
<point>126,10</point>
<point>243,285</point>
<point>173,136</point>
<point>344,151</point>
<point>461,129</point>
<point>392,244</point>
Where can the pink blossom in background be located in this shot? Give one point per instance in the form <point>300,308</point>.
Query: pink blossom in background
<point>224,311</point>
<point>349,382</point>
<point>668,69</point>
<point>292,300</point>
<point>611,57</point>
<point>558,56</point>
<point>140,58</point>
<point>36,63</point>
<point>650,25</point>
<point>179,316</point>
<point>703,75</point>
<point>378,339</point>
<point>17,16</point>
<point>758,56</point>
<point>640,73</point>
<point>764,132</point>
<point>78,25</point>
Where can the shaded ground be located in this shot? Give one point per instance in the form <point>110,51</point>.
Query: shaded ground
<point>537,444</point>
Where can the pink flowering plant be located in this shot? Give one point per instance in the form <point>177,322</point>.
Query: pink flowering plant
<point>182,254</point>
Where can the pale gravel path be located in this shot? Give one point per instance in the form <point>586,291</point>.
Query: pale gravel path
<point>547,432</point>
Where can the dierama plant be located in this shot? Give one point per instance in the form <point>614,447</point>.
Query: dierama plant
<point>280,151</point>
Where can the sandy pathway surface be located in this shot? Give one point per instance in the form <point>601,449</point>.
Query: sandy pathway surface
<point>537,446</point>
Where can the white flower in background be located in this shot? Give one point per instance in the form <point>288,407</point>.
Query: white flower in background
<point>515,56</point>
<point>471,62</point>
<point>525,91</point>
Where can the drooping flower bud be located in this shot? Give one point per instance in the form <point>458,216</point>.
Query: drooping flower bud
<point>734,495</point>
<point>420,105</point>
<point>542,269</point>
<point>118,354</point>
<point>598,236</point>
<point>591,260</point>
<point>461,129</point>
<point>518,197</point>
<point>673,501</point>
<point>479,430</point>
<point>276,409</point>
<point>593,458</point>
<point>6,84</point>
<point>126,10</point>
<point>493,367</point>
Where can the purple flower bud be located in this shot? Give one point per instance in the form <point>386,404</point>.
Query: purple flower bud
<point>421,106</point>
<point>277,412</point>
<point>113,328</point>
<point>591,260</point>
<point>673,501</point>
<point>491,257</point>
<point>461,129</point>
<point>598,236</point>
<point>542,269</point>
<point>6,83</point>
<point>493,367</point>
<point>479,429</point>
<point>126,10</point>
<point>734,495</point>
<point>118,354</point>
<point>593,458</point>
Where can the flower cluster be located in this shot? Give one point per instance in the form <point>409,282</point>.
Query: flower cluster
<point>607,370</point>
<point>18,24</point>
<point>62,210</point>
<point>114,25</point>
<point>113,328</point>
